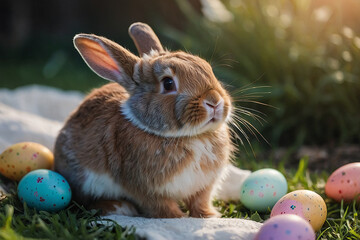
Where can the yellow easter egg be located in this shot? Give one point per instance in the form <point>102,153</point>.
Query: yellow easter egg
<point>304,203</point>
<point>19,159</point>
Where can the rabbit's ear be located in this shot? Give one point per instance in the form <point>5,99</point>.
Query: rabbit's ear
<point>144,38</point>
<point>107,59</point>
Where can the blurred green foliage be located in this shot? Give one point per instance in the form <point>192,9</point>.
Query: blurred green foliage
<point>46,61</point>
<point>307,56</point>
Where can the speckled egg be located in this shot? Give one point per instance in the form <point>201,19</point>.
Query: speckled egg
<point>304,203</point>
<point>44,190</point>
<point>262,189</point>
<point>287,226</point>
<point>344,183</point>
<point>21,158</point>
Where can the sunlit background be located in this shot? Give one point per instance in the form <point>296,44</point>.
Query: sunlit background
<point>299,58</point>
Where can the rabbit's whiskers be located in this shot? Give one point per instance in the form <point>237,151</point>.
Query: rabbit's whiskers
<point>239,124</point>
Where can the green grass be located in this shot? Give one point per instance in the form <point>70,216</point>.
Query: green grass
<point>20,222</point>
<point>342,219</point>
<point>17,221</point>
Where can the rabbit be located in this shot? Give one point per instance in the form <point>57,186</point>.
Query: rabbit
<point>158,135</point>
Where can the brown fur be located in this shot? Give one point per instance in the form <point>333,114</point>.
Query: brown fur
<point>144,38</point>
<point>200,206</point>
<point>109,206</point>
<point>98,136</point>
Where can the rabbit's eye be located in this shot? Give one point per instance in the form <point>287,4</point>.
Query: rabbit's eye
<point>169,84</point>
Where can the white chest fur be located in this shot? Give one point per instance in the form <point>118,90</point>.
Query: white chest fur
<point>192,178</point>
<point>102,185</point>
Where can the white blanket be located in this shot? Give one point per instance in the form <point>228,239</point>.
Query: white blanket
<point>36,113</point>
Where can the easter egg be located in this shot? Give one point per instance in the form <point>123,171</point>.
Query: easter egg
<point>287,226</point>
<point>304,203</point>
<point>344,183</point>
<point>262,189</point>
<point>21,158</point>
<point>44,190</point>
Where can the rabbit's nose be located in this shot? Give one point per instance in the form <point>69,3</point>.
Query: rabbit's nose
<point>211,104</point>
<point>213,99</point>
<point>214,105</point>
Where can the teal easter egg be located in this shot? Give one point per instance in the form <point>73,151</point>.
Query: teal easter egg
<point>44,190</point>
<point>262,189</point>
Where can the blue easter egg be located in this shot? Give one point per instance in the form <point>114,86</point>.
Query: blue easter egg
<point>262,189</point>
<point>44,190</point>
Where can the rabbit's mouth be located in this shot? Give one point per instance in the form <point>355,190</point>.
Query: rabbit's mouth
<point>213,119</point>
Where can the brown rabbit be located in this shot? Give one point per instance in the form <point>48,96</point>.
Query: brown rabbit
<point>157,136</point>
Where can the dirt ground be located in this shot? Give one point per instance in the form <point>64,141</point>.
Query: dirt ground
<point>321,158</point>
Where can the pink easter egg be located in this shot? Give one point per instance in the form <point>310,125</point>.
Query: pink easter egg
<point>344,183</point>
